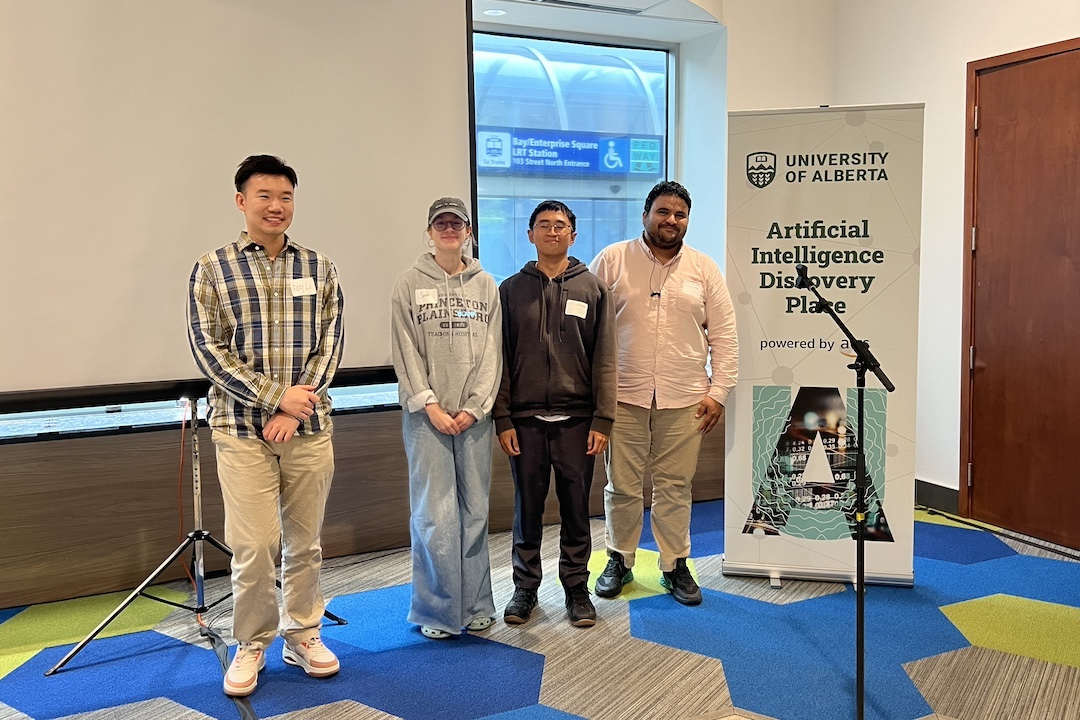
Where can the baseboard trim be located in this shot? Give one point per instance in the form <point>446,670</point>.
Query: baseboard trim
<point>937,497</point>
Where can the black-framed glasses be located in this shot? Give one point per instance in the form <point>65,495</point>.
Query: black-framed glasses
<point>546,227</point>
<point>456,223</point>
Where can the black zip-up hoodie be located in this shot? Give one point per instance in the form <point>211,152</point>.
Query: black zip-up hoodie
<point>559,345</point>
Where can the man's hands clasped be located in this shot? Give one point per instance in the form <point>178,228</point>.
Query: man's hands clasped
<point>297,405</point>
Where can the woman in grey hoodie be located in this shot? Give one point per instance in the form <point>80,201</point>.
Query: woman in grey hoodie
<point>447,348</point>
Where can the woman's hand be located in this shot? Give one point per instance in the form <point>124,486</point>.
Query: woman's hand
<point>441,419</point>
<point>464,420</point>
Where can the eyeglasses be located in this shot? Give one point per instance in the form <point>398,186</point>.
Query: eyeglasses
<point>456,223</point>
<point>546,227</point>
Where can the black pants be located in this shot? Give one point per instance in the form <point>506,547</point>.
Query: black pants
<point>562,446</point>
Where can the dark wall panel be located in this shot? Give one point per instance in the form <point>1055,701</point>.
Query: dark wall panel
<point>86,515</point>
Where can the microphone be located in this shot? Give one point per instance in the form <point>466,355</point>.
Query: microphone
<point>803,281</point>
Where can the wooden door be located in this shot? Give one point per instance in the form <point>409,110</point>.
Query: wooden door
<point>1024,411</point>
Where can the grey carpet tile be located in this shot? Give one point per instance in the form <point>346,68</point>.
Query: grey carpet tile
<point>155,709</point>
<point>710,575</point>
<point>10,713</point>
<point>358,573</point>
<point>343,710</point>
<point>183,624</point>
<point>727,714</point>
<point>736,714</point>
<point>740,714</point>
<point>655,680</point>
<point>747,715</point>
<point>659,681</point>
<point>1043,549</point>
<point>977,683</point>
<point>340,576</point>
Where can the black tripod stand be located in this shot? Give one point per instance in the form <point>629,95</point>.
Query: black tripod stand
<point>194,540</point>
<point>864,360</point>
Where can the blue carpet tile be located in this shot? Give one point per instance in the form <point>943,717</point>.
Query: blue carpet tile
<point>466,677</point>
<point>797,660</point>
<point>957,545</point>
<point>10,613</point>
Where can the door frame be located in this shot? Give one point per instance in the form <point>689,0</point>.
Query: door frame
<point>974,69</point>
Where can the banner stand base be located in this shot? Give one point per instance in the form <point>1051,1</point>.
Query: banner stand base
<point>778,573</point>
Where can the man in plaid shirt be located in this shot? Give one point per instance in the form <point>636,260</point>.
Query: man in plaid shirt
<point>266,328</point>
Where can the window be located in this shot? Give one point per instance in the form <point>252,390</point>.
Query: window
<point>585,124</point>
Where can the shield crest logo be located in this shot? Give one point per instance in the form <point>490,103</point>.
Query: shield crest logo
<point>760,168</point>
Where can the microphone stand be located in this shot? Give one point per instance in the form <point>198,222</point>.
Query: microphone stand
<point>864,360</point>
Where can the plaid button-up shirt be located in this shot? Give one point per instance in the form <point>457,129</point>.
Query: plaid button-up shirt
<point>257,327</point>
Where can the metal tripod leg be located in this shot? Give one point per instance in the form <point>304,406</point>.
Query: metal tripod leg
<point>192,538</point>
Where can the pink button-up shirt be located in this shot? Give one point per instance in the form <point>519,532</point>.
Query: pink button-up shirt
<point>672,320</point>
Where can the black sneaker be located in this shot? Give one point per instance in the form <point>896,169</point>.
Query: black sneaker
<point>615,575</point>
<point>579,607</point>
<point>520,607</point>
<point>681,584</point>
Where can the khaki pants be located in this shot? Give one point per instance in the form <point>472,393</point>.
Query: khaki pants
<point>667,442</point>
<point>275,497</point>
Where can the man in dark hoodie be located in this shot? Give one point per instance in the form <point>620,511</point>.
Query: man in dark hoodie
<point>556,404</point>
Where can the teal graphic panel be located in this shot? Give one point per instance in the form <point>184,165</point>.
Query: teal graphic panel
<point>804,463</point>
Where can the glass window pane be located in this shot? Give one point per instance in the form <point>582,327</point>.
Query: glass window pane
<point>584,124</point>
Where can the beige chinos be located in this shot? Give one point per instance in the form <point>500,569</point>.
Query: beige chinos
<point>273,490</point>
<point>667,443</point>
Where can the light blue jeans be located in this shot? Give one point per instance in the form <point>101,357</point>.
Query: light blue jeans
<point>449,482</point>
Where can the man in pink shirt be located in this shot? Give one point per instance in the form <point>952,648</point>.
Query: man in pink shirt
<point>675,320</point>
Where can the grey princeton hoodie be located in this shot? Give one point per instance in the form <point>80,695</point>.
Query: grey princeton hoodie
<point>447,338</point>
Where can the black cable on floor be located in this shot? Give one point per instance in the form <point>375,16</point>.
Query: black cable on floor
<point>997,531</point>
<point>243,705</point>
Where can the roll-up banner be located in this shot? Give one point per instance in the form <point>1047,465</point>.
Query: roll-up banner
<point>839,191</point>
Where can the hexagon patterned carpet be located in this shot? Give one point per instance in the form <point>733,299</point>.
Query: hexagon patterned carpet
<point>990,630</point>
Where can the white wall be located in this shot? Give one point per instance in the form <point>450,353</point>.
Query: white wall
<point>780,53</point>
<point>917,51</point>
<point>701,133</point>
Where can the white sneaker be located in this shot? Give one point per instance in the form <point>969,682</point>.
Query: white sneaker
<point>316,659</point>
<point>434,633</point>
<point>481,623</point>
<point>243,673</point>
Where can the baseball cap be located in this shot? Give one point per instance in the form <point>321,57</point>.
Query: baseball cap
<point>448,205</point>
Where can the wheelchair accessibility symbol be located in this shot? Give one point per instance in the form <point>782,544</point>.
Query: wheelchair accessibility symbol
<point>612,160</point>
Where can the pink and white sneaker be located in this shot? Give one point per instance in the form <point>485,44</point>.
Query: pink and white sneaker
<point>310,654</point>
<point>243,673</point>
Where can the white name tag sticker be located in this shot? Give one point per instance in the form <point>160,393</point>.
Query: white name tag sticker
<point>691,288</point>
<point>577,308</point>
<point>302,286</point>
<point>427,296</point>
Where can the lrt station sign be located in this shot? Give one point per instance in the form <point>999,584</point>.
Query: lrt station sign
<point>557,153</point>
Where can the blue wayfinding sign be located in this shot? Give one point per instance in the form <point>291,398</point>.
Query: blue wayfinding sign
<point>520,151</point>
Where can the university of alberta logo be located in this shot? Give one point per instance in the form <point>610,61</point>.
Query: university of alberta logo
<point>760,168</point>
